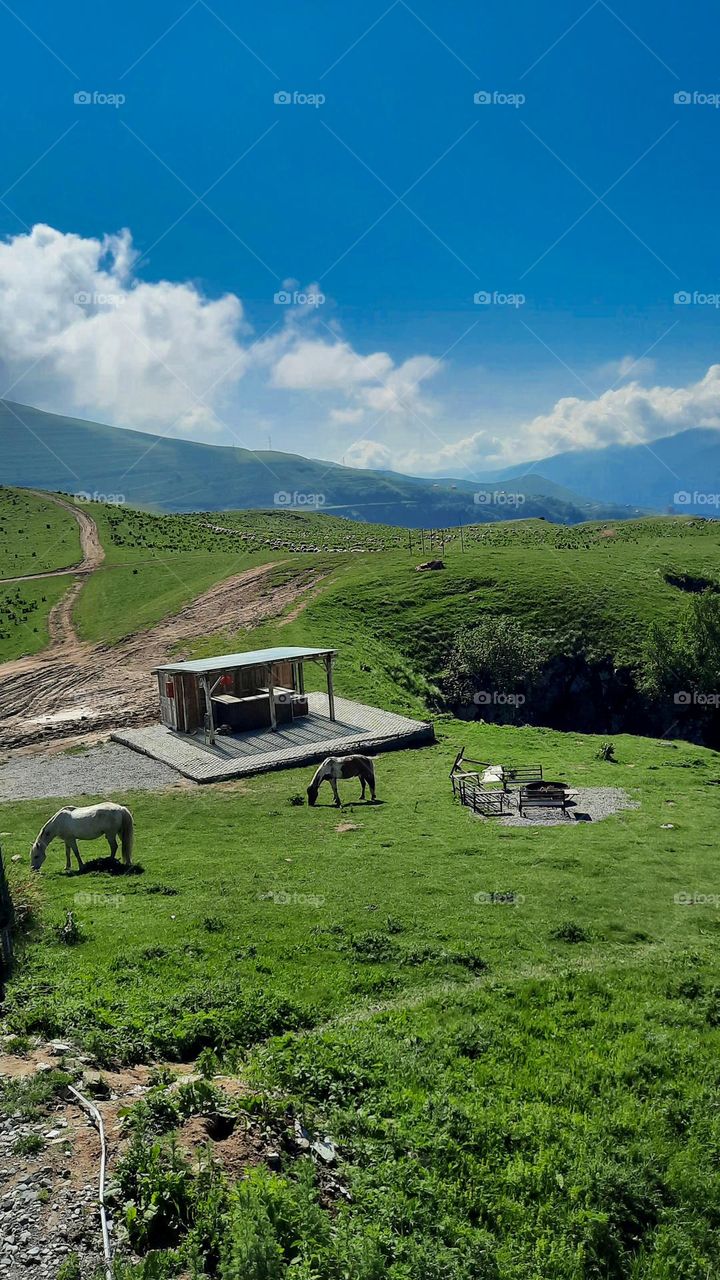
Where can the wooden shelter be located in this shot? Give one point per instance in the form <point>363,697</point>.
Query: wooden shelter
<point>237,692</point>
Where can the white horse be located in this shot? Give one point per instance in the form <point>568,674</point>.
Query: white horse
<point>335,767</point>
<point>106,819</point>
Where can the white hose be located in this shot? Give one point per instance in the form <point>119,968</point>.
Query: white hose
<point>97,1121</point>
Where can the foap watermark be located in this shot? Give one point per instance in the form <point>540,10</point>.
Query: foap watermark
<point>283,498</point>
<point>114,900</point>
<point>96,98</point>
<point>696,98</point>
<point>86,298</point>
<point>496,698</point>
<point>298,298</point>
<point>688,698</point>
<point>684,498</point>
<point>283,899</point>
<point>297,98</point>
<point>497,498</point>
<point>110,499</point>
<point>507,898</point>
<point>696,298</point>
<point>497,98</point>
<point>485,298</point>
<point>694,899</point>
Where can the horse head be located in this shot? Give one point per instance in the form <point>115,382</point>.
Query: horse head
<point>312,792</point>
<point>38,854</point>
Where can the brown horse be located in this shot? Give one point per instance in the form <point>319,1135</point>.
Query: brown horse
<point>335,767</point>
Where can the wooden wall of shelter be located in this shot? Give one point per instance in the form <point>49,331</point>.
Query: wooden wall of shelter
<point>190,698</point>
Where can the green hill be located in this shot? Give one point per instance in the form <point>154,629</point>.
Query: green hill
<point>47,451</point>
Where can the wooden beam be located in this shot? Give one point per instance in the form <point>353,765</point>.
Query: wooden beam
<point>273,720</point>
<point>209,710</point>
<point>330,690</point>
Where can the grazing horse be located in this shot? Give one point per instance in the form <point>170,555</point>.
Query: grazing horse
<point>335,767</point>
<point>106,819</point>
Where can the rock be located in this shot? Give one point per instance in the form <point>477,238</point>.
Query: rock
<point>430,564</point>
<point>325,1149</point>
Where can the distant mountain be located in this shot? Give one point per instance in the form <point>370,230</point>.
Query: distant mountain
<point>45,451</point>
<point>680,472</point>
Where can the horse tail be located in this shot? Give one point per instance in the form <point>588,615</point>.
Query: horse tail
<point>370,769</point>
<point>127,831</point>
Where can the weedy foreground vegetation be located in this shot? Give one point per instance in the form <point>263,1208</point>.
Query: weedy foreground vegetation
<point>511,1034</point>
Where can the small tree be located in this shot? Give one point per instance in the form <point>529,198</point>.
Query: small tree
<point>684,656</point>
<point>496,657</point>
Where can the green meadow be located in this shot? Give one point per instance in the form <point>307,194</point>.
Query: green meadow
<point>520,1086</point>
<point>511,1034</point>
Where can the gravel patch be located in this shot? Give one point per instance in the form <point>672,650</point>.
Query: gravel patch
<point>91,771</point>
<point>587,804</point>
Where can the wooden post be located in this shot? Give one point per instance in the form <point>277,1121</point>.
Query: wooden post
<point>301,676</point>
<point>271,691</point>
<point>330,690</point>
<point>462,540</point>
<point>209,711</point>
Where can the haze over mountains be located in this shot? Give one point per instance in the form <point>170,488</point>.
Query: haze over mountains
<point>48,451</point>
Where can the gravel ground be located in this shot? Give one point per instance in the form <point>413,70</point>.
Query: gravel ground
<point>94,771</point>
<point>590,804</point>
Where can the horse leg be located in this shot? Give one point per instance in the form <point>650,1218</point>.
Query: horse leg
<point>68,850</point>
<point>362,784</point>
<point>76,851</point>
<point>333,784</point>
<point>112,841</point>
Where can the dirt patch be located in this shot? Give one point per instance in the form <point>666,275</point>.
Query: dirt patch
<point>73,690</point>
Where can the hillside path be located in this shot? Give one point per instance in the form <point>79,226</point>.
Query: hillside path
<point>73,689</point>
<point>90,545</point>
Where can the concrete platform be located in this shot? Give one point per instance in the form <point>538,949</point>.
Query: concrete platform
<point>308,739</point>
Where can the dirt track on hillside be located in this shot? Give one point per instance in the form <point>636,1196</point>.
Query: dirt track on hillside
<point>72,689</point>
<point>92,551</point>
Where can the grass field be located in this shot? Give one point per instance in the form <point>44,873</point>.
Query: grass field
<point>521,1088</point>
<point>35,534</point>
<point>24,610</point>
<point>512,1034</point>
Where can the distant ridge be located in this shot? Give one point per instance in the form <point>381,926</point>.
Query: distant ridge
<point>680,472</point>
<point>48,451</point>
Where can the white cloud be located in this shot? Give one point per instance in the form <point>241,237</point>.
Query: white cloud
<point>634,367</point>
<point>79,333</point>
<point>369,454</point>
<point>630,414</point>
<point>315,365</point>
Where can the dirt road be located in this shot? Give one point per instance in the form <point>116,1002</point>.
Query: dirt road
<point>90,545</point>
<point>74,689</point>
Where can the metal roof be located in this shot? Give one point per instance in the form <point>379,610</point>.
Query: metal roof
<point>254,658</point>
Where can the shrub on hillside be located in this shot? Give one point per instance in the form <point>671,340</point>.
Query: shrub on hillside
<point>492,663</point>
<point>682,658</point>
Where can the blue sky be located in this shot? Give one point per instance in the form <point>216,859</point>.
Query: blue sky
<point>582,189</point>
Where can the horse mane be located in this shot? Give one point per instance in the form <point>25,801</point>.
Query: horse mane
<point>319,775</point>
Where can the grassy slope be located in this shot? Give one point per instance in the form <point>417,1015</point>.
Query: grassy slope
<point>153,566</point>
<point>24,610</point>
<point>175,474</point>
<point>35,535</point>
<point>555,1117</point>
<point>417,856</point>
<point>393,625</point>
